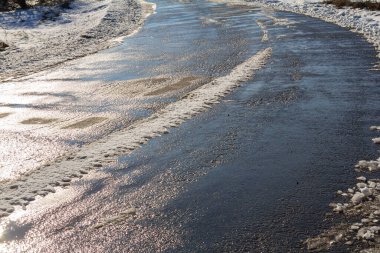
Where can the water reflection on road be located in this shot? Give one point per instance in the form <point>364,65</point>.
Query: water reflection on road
<point>254,174</point>
<point>50,114</point>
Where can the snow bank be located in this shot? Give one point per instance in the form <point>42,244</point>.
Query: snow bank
<point>45,36</point>
<point>364,22</point>
<point>361,21</point>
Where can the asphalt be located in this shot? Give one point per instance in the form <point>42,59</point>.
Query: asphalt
<point>253,174</point>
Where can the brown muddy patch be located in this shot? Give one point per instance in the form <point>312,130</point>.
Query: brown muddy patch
<point>181,84</point>
<point>151,81</point>
<point>86,123</point>
<point>37,121</point>
<point>4,114</point>
<point>153,86</point>
<point>135,87</point>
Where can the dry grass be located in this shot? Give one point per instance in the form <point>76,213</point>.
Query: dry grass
<point>370,5</point>
<point>3,45</point>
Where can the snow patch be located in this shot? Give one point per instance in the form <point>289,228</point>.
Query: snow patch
<point>43,37</point>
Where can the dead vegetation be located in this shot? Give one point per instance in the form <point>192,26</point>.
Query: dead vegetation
<point>370,5</point>
<point>8,5</point>
<point>3,45</point>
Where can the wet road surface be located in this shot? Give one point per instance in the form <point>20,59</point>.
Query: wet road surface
<point>46,116</point>
<point>253,174</point>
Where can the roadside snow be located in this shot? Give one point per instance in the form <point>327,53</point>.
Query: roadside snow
<point>45,36</point>
<point>28,28</point>
<point>362,21</point>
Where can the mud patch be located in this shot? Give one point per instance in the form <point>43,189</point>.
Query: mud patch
<point>37,121</point>
<point>152,81</point>
<point>135,87</point>
<point>4,114</point>
<point>86,123</point>
<point>154,86</point>
<point>181,84</point>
